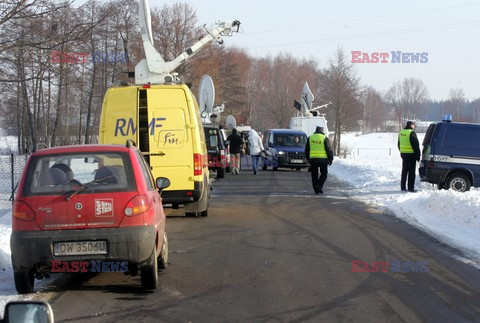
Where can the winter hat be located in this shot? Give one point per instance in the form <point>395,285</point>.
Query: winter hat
<point>409,123</point>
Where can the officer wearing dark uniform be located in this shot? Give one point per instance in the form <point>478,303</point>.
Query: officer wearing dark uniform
<point>320,156</point>
<point>410,152</point>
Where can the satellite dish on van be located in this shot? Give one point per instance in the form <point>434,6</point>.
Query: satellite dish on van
<point>206,94</point>
<point>231,122</point>
<point>307,96</point>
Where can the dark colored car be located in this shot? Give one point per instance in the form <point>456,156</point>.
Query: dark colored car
<point>217,152</point>
<point>285,148</point>
<point>451,155</point>
<point>90,206</point>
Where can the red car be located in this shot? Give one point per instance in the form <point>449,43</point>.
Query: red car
<point>88,208</point>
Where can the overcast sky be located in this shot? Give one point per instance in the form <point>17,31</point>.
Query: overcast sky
<point>447,30</point>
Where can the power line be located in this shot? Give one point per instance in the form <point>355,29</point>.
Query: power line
<point>377,34</point>
<point>365,18</point>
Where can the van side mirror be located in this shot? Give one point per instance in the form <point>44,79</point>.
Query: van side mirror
<point>35,312</point>
<point>162,183</point>
<point>270,144</point>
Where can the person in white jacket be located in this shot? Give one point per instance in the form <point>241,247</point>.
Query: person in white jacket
<point>256,147</point>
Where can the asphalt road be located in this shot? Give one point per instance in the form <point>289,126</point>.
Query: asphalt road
<point>272,251</point>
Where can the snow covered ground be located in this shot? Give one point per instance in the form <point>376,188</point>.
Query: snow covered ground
<point>372,168</point>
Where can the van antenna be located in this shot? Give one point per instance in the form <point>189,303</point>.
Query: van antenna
<point>306,101</point>
<point>153,68</point>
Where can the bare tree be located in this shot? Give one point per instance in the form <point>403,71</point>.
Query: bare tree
<point>21,9</point>
<point>341,87</point>
<point>373,110</point>
<point>476,110</point>
<point>174,29</point>
<point>407,97</point>
<point>232,82</point>
<point>455,105</point>
<point>273,85</point>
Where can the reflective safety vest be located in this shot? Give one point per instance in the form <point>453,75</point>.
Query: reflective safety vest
<point>317,146</point>
<point>404,139</point>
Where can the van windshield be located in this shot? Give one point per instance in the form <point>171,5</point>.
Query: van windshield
<point>290,140</point>
<point>60,174</point>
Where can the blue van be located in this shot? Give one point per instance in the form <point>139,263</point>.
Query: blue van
<point>285,148</point>
<point>451,155</point>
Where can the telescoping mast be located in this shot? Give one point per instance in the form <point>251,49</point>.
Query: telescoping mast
<point>153,69</point>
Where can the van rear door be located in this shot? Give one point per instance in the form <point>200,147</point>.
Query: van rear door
<point>119,116</point>
<point>170,136</point>
<point>427,140</point>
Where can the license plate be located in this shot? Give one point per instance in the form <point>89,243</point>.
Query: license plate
<point>296,161</point>
<point>80,248</point>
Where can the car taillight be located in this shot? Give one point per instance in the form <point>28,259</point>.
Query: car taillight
<point>431,164</point>
<point>23,211</point>
<point>137,205</point>
<point>222,153</point>
<point>197,164</point>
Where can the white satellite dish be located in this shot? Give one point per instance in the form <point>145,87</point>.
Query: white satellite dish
<point>231,122</point>
<point>206,94</point>
<point>307,97</point>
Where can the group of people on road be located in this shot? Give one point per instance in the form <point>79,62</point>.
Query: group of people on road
<point>235,145</point>
<point>320,155</point>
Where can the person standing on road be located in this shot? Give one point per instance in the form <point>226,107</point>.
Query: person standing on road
<point>256,147</point>
<point>235,143</point>
<point>410,152</point>
<point>320,156</point>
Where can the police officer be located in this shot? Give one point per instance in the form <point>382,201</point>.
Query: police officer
<point>320,156</point>
<point>410,152</point>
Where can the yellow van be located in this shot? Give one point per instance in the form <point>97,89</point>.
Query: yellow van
<point>164,120</point>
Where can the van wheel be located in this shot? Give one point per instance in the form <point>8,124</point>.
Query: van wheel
<point>298,168</point>
<point>458,182</point>
<point>220,172</point>
<point>24,280</point>
<point>163,259</point>
<point>264,167</point>
<point>275,168</point>
<point>190,214</point>
<point>149,272</point>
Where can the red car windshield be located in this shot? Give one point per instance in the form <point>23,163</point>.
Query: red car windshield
<point>59,174</point>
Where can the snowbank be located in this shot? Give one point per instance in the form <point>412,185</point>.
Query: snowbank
<point>373,166</point>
